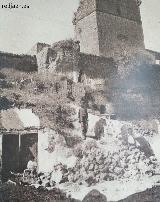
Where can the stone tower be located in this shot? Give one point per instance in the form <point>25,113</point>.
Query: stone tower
<point>108,27</point>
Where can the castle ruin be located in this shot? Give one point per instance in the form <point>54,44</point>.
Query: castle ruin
<point>107,54</point>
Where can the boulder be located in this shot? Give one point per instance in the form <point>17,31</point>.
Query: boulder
<point>95,196</point>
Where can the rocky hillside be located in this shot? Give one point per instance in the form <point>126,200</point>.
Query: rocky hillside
<point>46,95</point>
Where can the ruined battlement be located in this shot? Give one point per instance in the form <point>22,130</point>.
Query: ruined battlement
<point>63,44</point>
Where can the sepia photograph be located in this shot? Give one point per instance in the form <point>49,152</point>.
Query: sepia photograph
<point>79,101</point>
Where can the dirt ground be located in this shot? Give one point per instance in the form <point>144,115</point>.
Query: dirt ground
<point>17,193</point>
<point>150,195</point>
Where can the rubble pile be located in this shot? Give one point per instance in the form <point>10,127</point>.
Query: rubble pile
<point>122,153</point>
<point>94,164</point>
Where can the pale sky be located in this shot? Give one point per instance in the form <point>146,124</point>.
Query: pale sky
<point>51,20</point>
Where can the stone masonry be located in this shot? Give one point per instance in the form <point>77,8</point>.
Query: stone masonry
<point>106,28</point>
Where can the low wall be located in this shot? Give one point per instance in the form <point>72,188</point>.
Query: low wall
<point>20,62</point>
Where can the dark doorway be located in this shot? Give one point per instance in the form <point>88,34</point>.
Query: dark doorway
<point>10,155</point>
<point>17,150</point>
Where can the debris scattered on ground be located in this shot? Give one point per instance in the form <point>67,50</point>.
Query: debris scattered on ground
<point>96,165</point>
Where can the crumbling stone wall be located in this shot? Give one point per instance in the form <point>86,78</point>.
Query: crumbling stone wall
<point>65,58</point>
<point>21,62</point>
<point>61,58</point>
<point>45,57</point>
<point>134,96</point>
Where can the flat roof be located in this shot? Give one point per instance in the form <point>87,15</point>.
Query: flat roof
<point>19,120</point>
